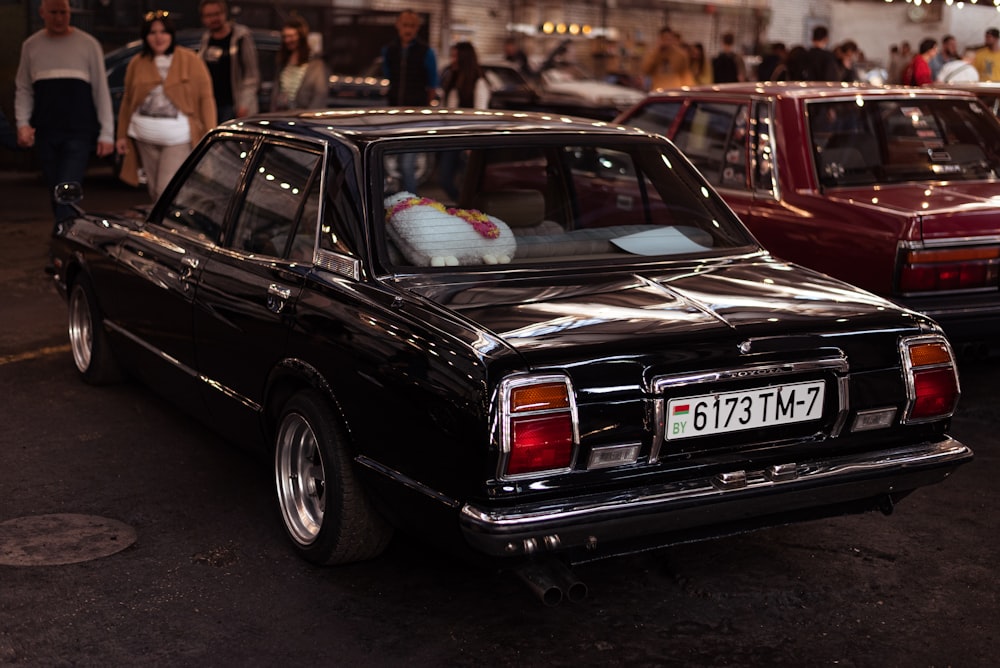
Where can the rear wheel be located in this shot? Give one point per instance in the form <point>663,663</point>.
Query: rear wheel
<point>323,507</point>
<point>87,339</point>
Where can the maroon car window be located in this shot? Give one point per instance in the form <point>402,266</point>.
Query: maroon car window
<point>903,140</point>
<point>656,117</point>
<point>713,136</point>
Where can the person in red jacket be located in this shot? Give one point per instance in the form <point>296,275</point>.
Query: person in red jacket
<point>918,72</point>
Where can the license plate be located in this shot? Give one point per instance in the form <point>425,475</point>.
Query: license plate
<point>726,412</point>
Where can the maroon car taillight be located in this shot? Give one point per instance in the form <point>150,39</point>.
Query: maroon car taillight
<point>538,429</point>
<point>950,269</point>
<point>931,378</point>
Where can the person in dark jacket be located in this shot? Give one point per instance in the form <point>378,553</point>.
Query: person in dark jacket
<point>410,65</point>
<point>820,63</point>
<point>727,66</point>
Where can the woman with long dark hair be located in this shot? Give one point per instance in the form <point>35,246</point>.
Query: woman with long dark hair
<point>301,80</point>
<point>166,108</point>
<point>464,84</point>
<point>464,87</point>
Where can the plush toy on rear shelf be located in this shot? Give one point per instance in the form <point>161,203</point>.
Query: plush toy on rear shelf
<point>430,235</point>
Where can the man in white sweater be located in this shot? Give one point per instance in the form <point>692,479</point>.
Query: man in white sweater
<point>62,107</point>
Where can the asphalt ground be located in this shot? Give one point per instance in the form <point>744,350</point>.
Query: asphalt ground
<point>203,574</point>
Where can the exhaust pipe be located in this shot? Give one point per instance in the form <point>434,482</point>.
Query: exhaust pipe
<point>573,587</point>
<point>551,581</point>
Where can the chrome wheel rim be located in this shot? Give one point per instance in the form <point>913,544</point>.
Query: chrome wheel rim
<point>81,332</point>
<point>300,478</point>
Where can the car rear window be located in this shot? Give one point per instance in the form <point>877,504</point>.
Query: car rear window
<point>550,203</point>
<point>867,142</point>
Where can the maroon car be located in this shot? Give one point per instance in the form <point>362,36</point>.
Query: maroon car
<point>896,190</point>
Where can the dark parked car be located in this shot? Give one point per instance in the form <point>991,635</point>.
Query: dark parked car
<point>585,354</point>
<point>891,189</point>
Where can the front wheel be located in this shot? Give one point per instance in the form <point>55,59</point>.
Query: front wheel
<point>323,507</point>
<point>87,339</point>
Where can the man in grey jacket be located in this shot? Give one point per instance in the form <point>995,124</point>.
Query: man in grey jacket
<point>231,55</point>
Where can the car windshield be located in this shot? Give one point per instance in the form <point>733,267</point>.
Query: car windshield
<point>882,141</point>
<point>551,201</point>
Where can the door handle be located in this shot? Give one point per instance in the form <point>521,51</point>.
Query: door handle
<point>188,265</point>
<point>277,296</point>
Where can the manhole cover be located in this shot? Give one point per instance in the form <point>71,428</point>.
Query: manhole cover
<point>52,540</point>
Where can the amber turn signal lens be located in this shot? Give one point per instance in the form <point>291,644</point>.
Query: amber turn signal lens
<point>925,354</point>
<point>542,397</point>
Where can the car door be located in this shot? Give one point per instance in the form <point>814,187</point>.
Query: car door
<point>161,265</point>
<point>250,283</point>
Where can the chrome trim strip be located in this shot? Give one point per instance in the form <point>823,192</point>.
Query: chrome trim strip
<point>925,454</point>
<point>176,363</point>
<point>659,384</point>
<point>406,481</point>
<point>951,241</point>
<point>156,351</point>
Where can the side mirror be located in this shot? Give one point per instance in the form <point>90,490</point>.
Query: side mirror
<point>68,193</point>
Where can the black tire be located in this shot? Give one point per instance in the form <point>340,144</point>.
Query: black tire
<point>88,341</point>
<point>324,510</point>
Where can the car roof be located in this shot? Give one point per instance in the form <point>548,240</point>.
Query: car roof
<point>806,90</point>
<point>369,124</point>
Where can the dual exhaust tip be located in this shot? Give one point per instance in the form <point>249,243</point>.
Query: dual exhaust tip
<point>552,581</point>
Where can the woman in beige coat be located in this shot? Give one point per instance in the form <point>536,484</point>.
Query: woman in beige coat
<point>166,108</point>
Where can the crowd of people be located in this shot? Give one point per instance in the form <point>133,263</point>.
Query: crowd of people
<point>672,62</point>
<point>173,95</point>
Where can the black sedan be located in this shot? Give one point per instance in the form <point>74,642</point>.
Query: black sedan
<point>583,353</point>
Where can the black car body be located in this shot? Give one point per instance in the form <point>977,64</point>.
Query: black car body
<point>585,354</point>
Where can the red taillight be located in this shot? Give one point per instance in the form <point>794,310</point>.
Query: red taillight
<point>542,443</point>
<point>936,392</point>
<point>950,269</point>
<point>931,378</point>
<point>538,425</point>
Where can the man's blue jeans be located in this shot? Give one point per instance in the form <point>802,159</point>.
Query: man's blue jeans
<point>63,156</point>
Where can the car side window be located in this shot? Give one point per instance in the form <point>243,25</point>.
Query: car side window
<point>198,205</point>
<point>713,136</point>
<point>342,214</point>
<point>275,198</point>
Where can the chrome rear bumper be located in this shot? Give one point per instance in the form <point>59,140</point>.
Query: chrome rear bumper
<point>793,489</point>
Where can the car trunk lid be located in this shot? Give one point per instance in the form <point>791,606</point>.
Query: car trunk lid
<point>958,210</point>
